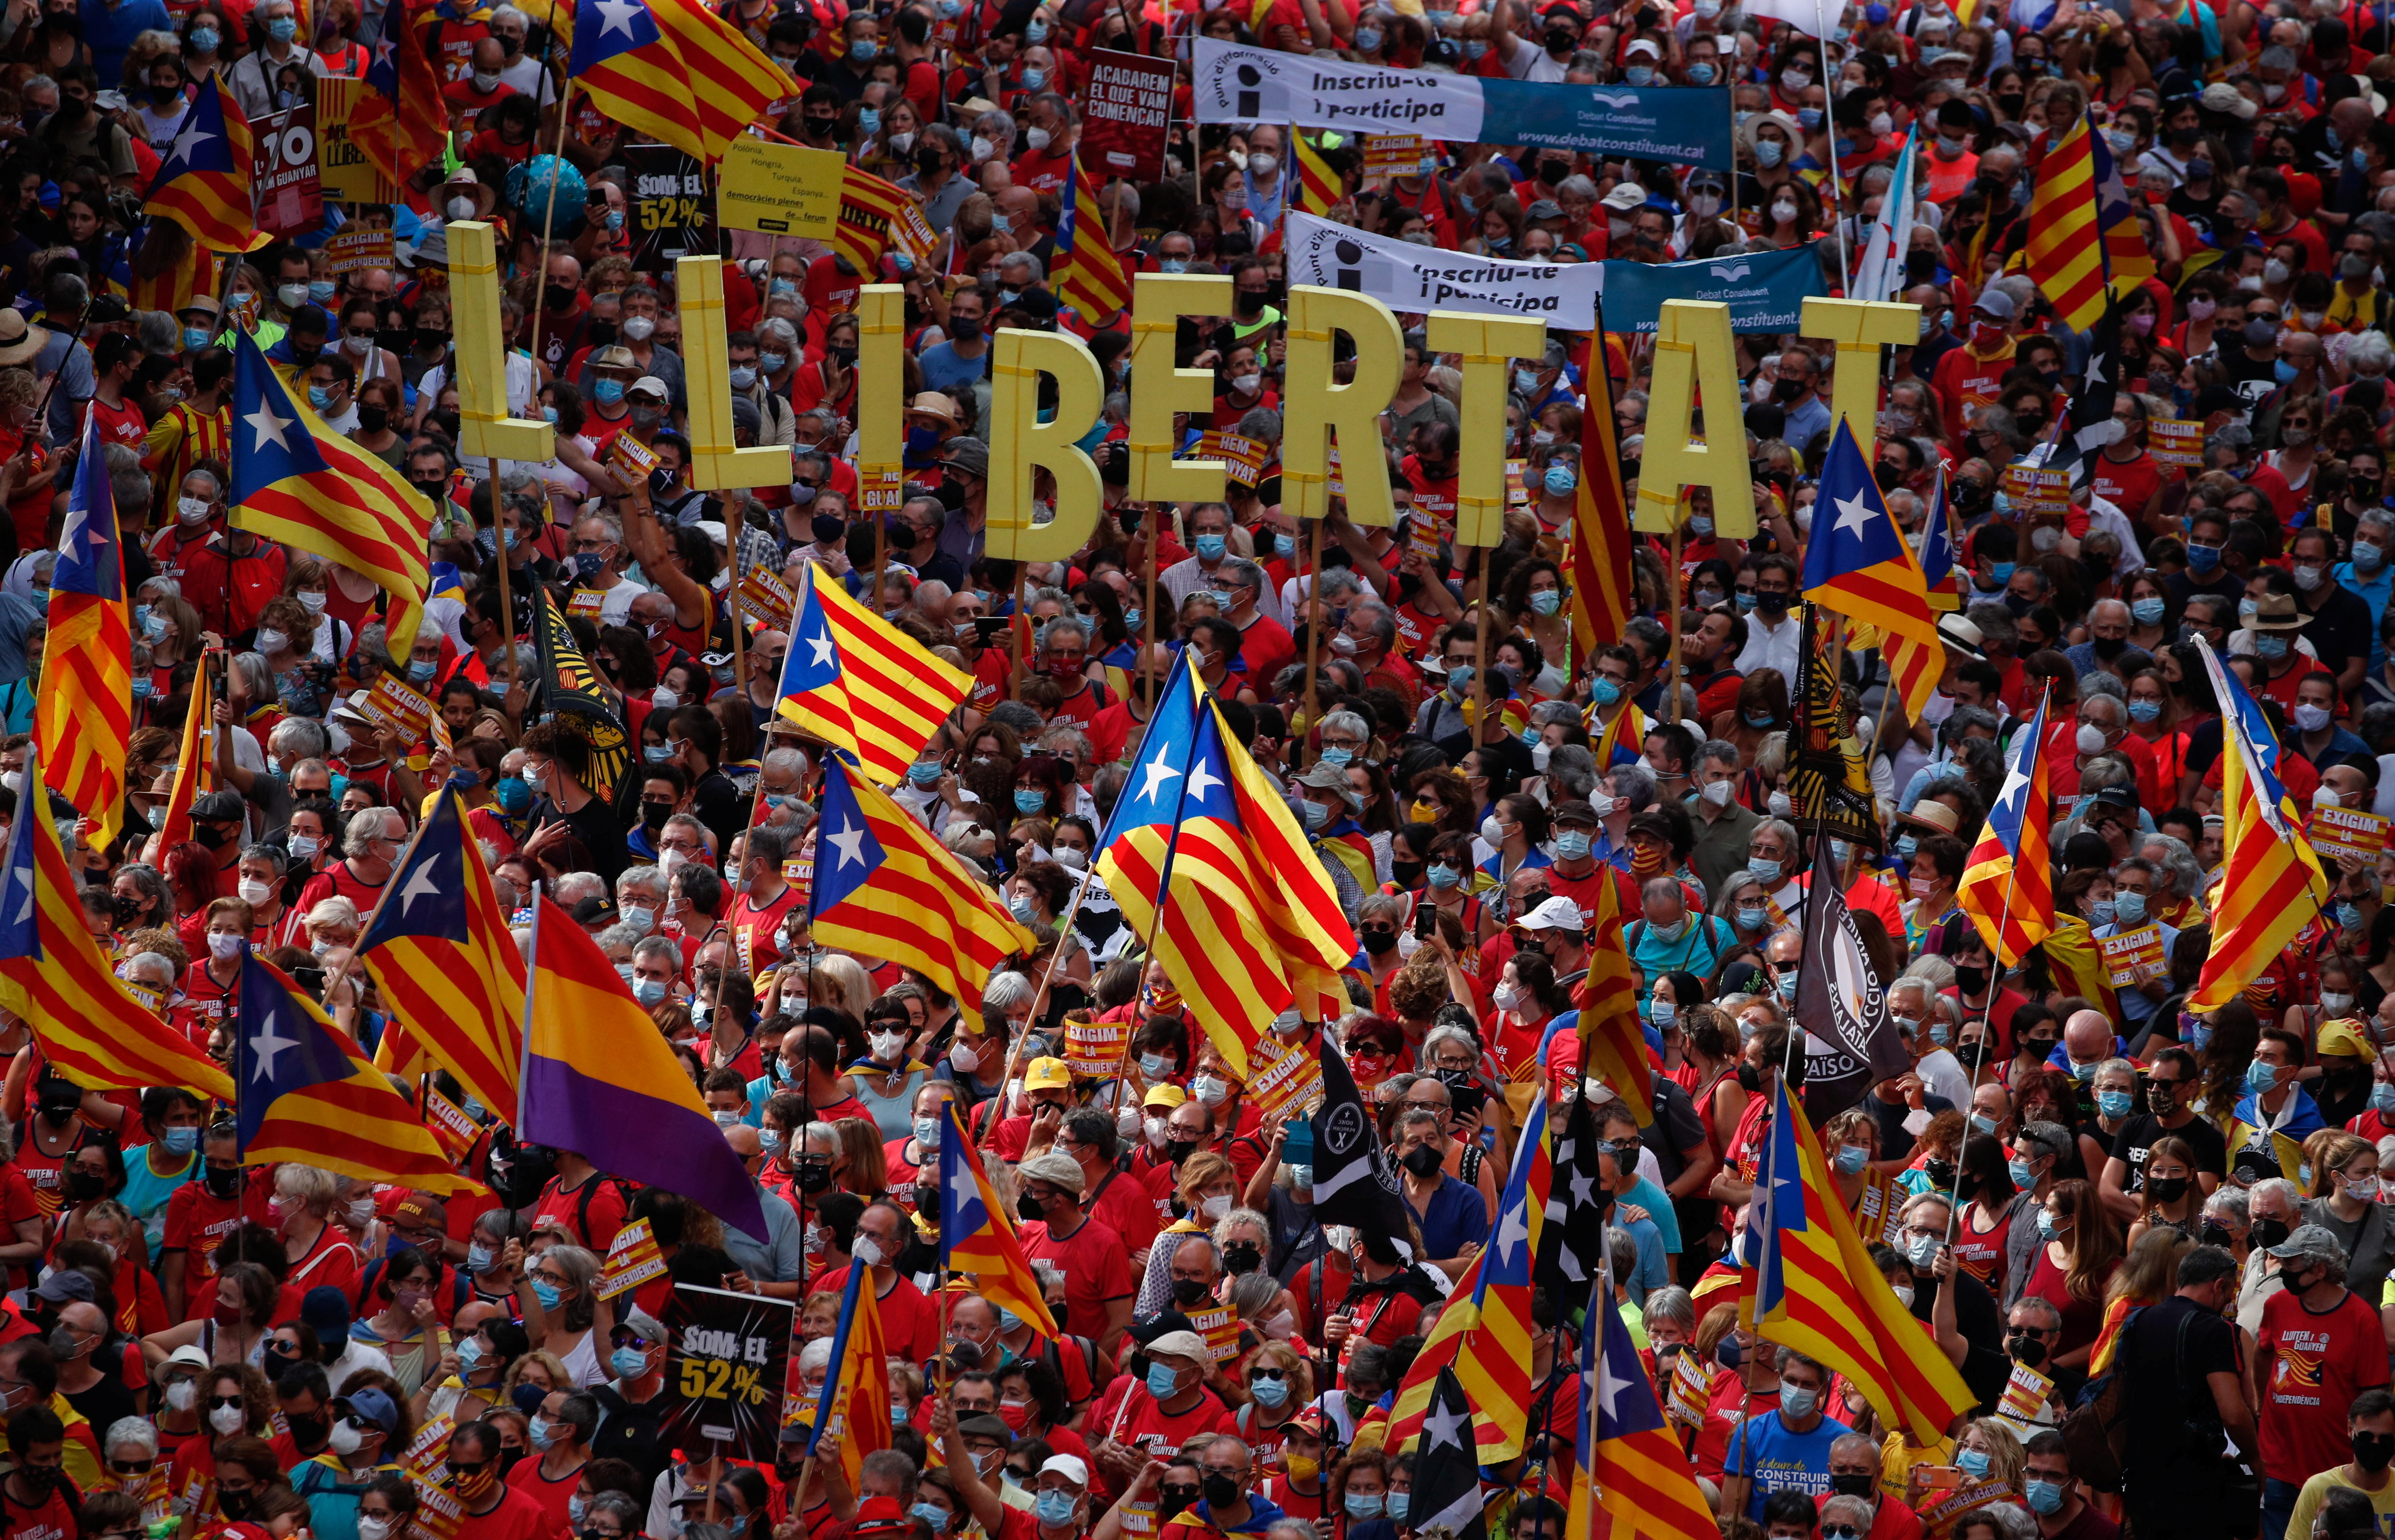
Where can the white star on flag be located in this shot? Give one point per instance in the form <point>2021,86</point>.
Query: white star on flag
<point>617,16</point>
<point>1160,770</point>
<point>1442,1426</point>
<point>268,426</point>
<point>850,843</point>
<point>821,646</point>
<point>191,139</point>
<point>268,1048</point>
<point>1854,514</point>
<point>421,886</point>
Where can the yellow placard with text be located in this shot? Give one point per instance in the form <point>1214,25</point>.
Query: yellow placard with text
<point>779,189</point>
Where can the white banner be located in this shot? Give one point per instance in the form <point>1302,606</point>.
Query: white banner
<point>1411,279</point>
<point>1236,84</point>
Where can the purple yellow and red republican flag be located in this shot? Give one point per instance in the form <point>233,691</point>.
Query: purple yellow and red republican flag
<point>599,1079</point>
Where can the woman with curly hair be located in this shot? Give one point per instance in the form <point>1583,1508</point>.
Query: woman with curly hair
<point>1533,602</point>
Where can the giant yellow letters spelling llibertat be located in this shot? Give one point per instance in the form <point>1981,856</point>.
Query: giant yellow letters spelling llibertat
<point>1021,445</point>
<point>1489,344</point>
<point>1314,411</point>
<point>485,429</point>
<point>1692,349</point>
<point>1856,328</point>
<point>1158,389</point>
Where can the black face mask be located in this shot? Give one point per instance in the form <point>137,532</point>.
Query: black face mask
<point>1241,1258</point>
<point>1771,604</point>
<point>373,419</point>
<point>1423,1160</point>
<point>2166,1190</point>
<point>307,1432</point>
<point>1970,981</point>
<point>2025,1349</point>
<point>2373,1450</point>
<point>1172,1500</point>
<point>1030,1208</point>
<point>84,1186</point>
<point>1749,1080</point>
<point>1179,1150</point>
<point>234,1504</point>
<point>2214,1233</point>
<point>814,1174</point>
<point>1939,1172</point>
<point>1377,942</point>
<point>60,1113</point>
<point>654,814</point>
<point>1855,1483</point>
<point>222,1184</point>
<point>1220,1490</point>
<point>2267,1233</point>
<point>1188,1291</point>
<point>1553,173</point>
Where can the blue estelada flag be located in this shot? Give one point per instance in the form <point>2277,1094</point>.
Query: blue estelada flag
<point>204,182</point>
<point>1626,1460</point>
<point>1858,563</point>
<point>1938,548</point>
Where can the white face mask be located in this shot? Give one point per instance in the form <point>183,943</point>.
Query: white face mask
<point>192,510</point>
<point>887,1046</point>
<point>182,1395</point>
<point>228,1420</point>
<point>254,892</point>
<point>639,327</point>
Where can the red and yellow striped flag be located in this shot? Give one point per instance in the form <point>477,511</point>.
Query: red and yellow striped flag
<point>2007,887</point>
<point>54,975</point>
<point>2066,246</point>
<point>203,184</point>
<point>858,684</point>
<point>85,707</point>
<point>1614,1047</point>
<point>1319,183</point>
<point>675,70</point>
<point>190,769</point>
<point>872,217</point>
<point>1089,275</point>
<point>1814,1287</point>
<point>1601,591</point>
<point>2271,885</point>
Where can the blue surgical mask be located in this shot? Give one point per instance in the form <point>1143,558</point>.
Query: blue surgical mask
<point>2198,1035</point>
<point>2382,1100</point>
<point>1973,1461</point>
<point>470,1349</point>
<point>1054,1507</point>
<point>608,391</point>
<point>2261,1078</point>
<point>1173,264</point>
<point>1027,801</point>
<point>2044,1496</point>
<point>1852,1158</point>
<point>862,49</point>
<point>2145,710</point>
<point>1036,33</point>
<point>1603,690</point>
<point>1162,1381</point>
<point>1363,1506</point>
<point>547,1293</point>
<point>205,40</point>
<point>628,1363</point>
<point>2023,1176</point>
<point>1752,920</point>
<point>1442,876</point>
<point>1906,845</point>
<point>1571,845</point>
<point>1270,1393</point>
<point>1639,75</point>
<point>932,1514</point>
<point>869,119</point>
<point>1663,1013</point>
<point>1035,80</point>
<point>320,397</point>
<point>421,672</point>
<point>2148,612</point>
<point>1766,872</point>
<point>1701,73</point>
<point>2349,915</point>
<point>1338,756</point>
<point>2286,372</point>
<point>2269,646</point>
<point>1393,1508</point>
<point>283,29</point>
<point>2101,912</point>
<point>926,773</point>
<point>1808,118</point>
<point>1786,985</point>
<point>2114,1103</point>
<point>1210,548</point>
<point>649,992</point>
<point>1526,382</point>
<point>1797,1401</point>
<point>2129,908</point>
<point>744,376</point>
<point>180,1141</point>
<point>1560,480</point>
<point>1367,39</point>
